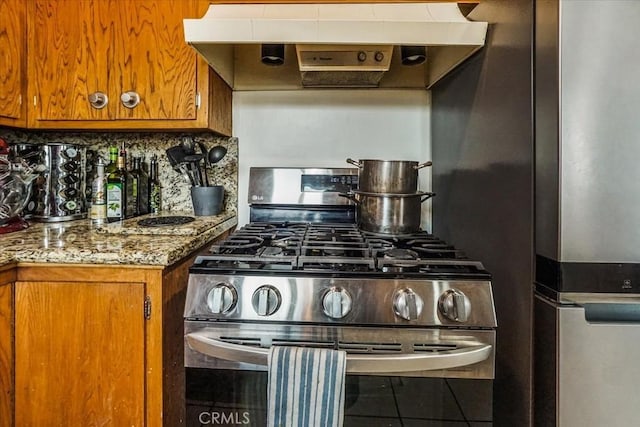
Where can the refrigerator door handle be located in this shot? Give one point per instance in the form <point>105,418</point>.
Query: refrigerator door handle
<point>609,312</point>
<point>612,313</point>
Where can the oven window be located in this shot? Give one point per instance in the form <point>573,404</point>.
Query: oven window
<point>233,398</point>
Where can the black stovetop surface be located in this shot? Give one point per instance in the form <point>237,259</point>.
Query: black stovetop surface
<point>339,250</point>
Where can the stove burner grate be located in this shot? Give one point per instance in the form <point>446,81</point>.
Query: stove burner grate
<point>327,263</point>
<point>336,248</point>
<point>247,262</point>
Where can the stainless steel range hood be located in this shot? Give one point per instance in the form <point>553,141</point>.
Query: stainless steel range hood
<point>351,45</point>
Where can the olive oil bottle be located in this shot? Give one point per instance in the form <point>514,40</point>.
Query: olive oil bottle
<point>98,213</point>
<point>117,190</point>
<point>113,160</point>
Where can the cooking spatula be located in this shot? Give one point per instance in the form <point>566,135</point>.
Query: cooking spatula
<point>176,160</point>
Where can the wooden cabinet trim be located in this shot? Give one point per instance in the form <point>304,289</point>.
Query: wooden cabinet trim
<point>85,273</point>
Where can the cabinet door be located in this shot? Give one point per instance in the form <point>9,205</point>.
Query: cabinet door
<point>6,355</point>
<point>71,55</point>
<point>154,61</point>
<point>12,62</point>
<point>80,357</point>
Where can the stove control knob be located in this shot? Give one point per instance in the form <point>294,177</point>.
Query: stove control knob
<point>454,305</point>
<point>222,298</point>
<point>266,300</point>
<point>336,303</point>
<point>407,304</point>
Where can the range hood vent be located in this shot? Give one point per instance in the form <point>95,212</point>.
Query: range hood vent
<point>343,65</point>
<point>333,45</point>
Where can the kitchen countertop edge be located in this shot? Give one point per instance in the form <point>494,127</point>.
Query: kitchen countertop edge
<point>77,243</point>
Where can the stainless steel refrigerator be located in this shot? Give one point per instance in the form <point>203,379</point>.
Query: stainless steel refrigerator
<point>587,200</point>
<point>536,142</point>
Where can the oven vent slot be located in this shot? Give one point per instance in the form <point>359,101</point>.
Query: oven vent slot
<point>432,348</point>
<point>370,347</point>
<point>303,343</point>
<point>348,346</point>
<point>253,342</point>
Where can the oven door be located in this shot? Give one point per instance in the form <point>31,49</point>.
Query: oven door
<point>227,378</point>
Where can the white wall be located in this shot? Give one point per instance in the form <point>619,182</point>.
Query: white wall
<point>322,128</point>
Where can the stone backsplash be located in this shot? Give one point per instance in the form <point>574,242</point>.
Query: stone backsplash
<point>175,189</point>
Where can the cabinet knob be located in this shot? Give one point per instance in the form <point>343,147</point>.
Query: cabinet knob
<point>98,100</point>
<point>130,99</point>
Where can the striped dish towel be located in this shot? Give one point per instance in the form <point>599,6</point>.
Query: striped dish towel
<point>306,387</point>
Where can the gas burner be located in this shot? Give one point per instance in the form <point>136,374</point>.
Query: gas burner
<point>270,251</point>
<point>333,233</point>
<point>370,235</point>
<point>400,254</point>
<point>269,227</point>
<point>267,260</point>
<point>438,251</point>
<point>398,260</point>
<point>451,267</point>
<point>344,250</point>
<point>336,264</point>
<point>237,244</point>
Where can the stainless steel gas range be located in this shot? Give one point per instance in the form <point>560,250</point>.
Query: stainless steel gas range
<point>301,273</point>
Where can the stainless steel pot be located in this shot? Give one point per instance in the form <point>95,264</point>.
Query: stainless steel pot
<point>388,213</point>
<point>388,176</point>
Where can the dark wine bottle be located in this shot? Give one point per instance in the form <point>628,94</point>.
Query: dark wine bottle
<point>155,201</point>
<point>141,180</point>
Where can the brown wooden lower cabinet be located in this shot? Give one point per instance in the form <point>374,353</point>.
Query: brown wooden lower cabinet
<point>80,353</point>
<point>98,345</point>
<point>7,277</point>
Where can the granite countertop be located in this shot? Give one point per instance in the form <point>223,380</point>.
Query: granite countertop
<point>80,242</point>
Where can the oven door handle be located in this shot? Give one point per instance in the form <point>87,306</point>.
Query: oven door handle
<point>356,363</point>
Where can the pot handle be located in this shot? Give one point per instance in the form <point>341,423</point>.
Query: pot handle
<point>427,196</point>
<point>349,196</point>
<point>354,163</point>
<point>423,165</point>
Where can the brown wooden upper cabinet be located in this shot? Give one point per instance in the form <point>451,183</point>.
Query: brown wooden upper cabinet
<point>345,1</point>
<point>107,64</point>
<point>13,43</point>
